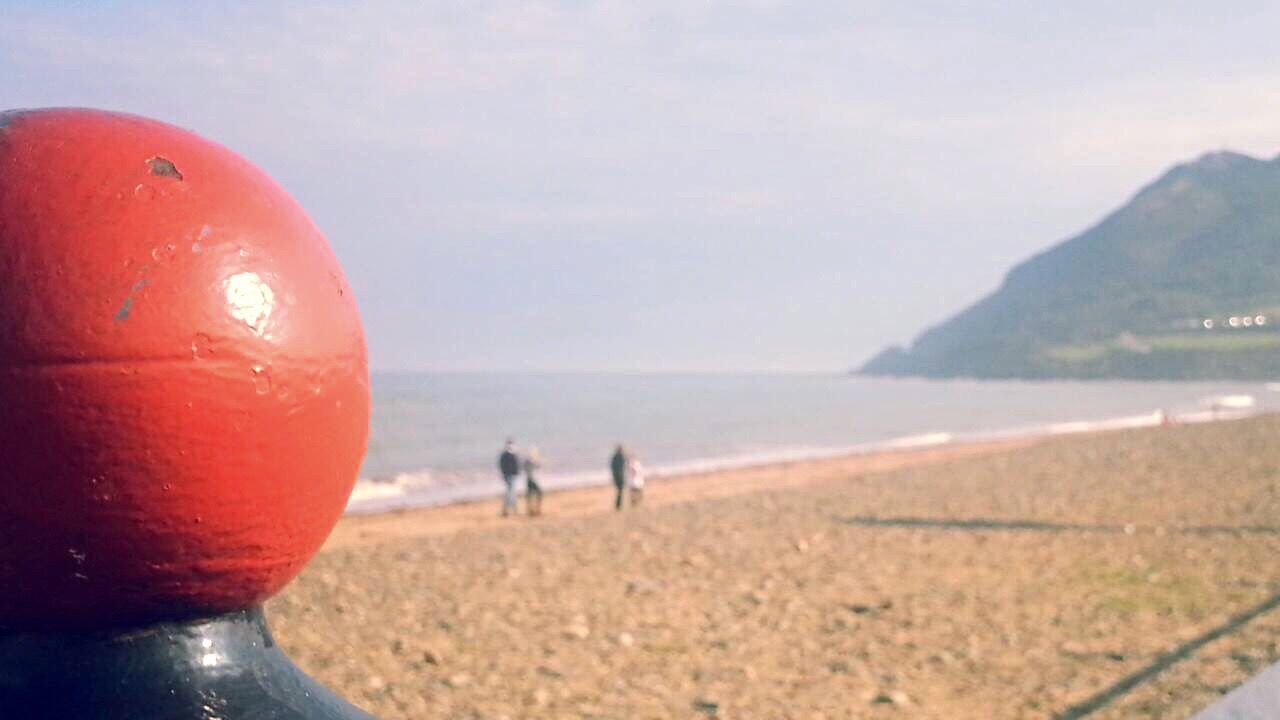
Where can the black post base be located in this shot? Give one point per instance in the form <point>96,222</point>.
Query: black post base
<point>224,668</point>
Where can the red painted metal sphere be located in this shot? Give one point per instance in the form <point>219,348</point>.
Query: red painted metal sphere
<point>184,397</point>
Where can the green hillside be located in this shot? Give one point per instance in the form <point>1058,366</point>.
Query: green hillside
<point>1129,297</point>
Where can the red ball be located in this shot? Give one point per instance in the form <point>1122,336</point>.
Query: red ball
<point>184,395</point>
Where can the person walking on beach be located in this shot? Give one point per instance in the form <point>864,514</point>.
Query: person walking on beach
<point>509,466</point>
<point>635,475</point>
<point>533,491</point>
<point>618,466</point>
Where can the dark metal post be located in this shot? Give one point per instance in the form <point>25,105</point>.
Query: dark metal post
<point>222,668</point>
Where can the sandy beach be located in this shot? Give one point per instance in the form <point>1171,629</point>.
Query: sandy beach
<point>1125,574</point>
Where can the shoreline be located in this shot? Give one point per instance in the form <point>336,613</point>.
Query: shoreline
<point>734,475</point>
<point>561,504</point>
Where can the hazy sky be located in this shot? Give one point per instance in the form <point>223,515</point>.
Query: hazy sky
<point>677,185</point>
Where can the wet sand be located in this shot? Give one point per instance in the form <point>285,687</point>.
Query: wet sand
<point>1110,575</point>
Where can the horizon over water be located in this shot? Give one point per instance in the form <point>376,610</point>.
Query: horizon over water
<point>435,436</point>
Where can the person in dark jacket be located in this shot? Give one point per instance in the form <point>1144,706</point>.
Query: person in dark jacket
<point>618,466</point>
<point>509,466</point>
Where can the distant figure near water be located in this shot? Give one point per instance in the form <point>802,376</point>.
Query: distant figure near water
<point>533,491</point>
<point>618,466</point>
<point>509,466</point>
<point>635,474</point>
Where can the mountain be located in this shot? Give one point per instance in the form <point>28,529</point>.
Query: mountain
<point>1182,282</point>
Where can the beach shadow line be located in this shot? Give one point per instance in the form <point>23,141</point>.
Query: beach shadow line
<point>1040,526</point>
<point>1165,661</point>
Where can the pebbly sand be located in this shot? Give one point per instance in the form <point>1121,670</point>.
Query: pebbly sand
<point>1126,574</point>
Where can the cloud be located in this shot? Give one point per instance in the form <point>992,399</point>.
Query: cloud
<point>887,146</point>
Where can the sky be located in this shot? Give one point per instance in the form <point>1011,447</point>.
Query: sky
<point>683,186</point>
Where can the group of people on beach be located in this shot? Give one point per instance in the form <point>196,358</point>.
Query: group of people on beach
<point>624,467</point>
<point>627,471</point>
<point>510,464</point>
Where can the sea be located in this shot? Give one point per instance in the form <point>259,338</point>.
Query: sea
<point>435,437</point>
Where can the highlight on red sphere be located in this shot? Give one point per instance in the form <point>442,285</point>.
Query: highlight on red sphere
<point>182,372</point>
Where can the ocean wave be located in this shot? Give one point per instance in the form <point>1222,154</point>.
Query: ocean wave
<point>426,487</point>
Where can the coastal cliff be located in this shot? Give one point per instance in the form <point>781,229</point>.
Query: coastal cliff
<point>1182,282</point>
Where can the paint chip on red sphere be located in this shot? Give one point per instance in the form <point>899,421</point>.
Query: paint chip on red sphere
<point>163,167</point>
